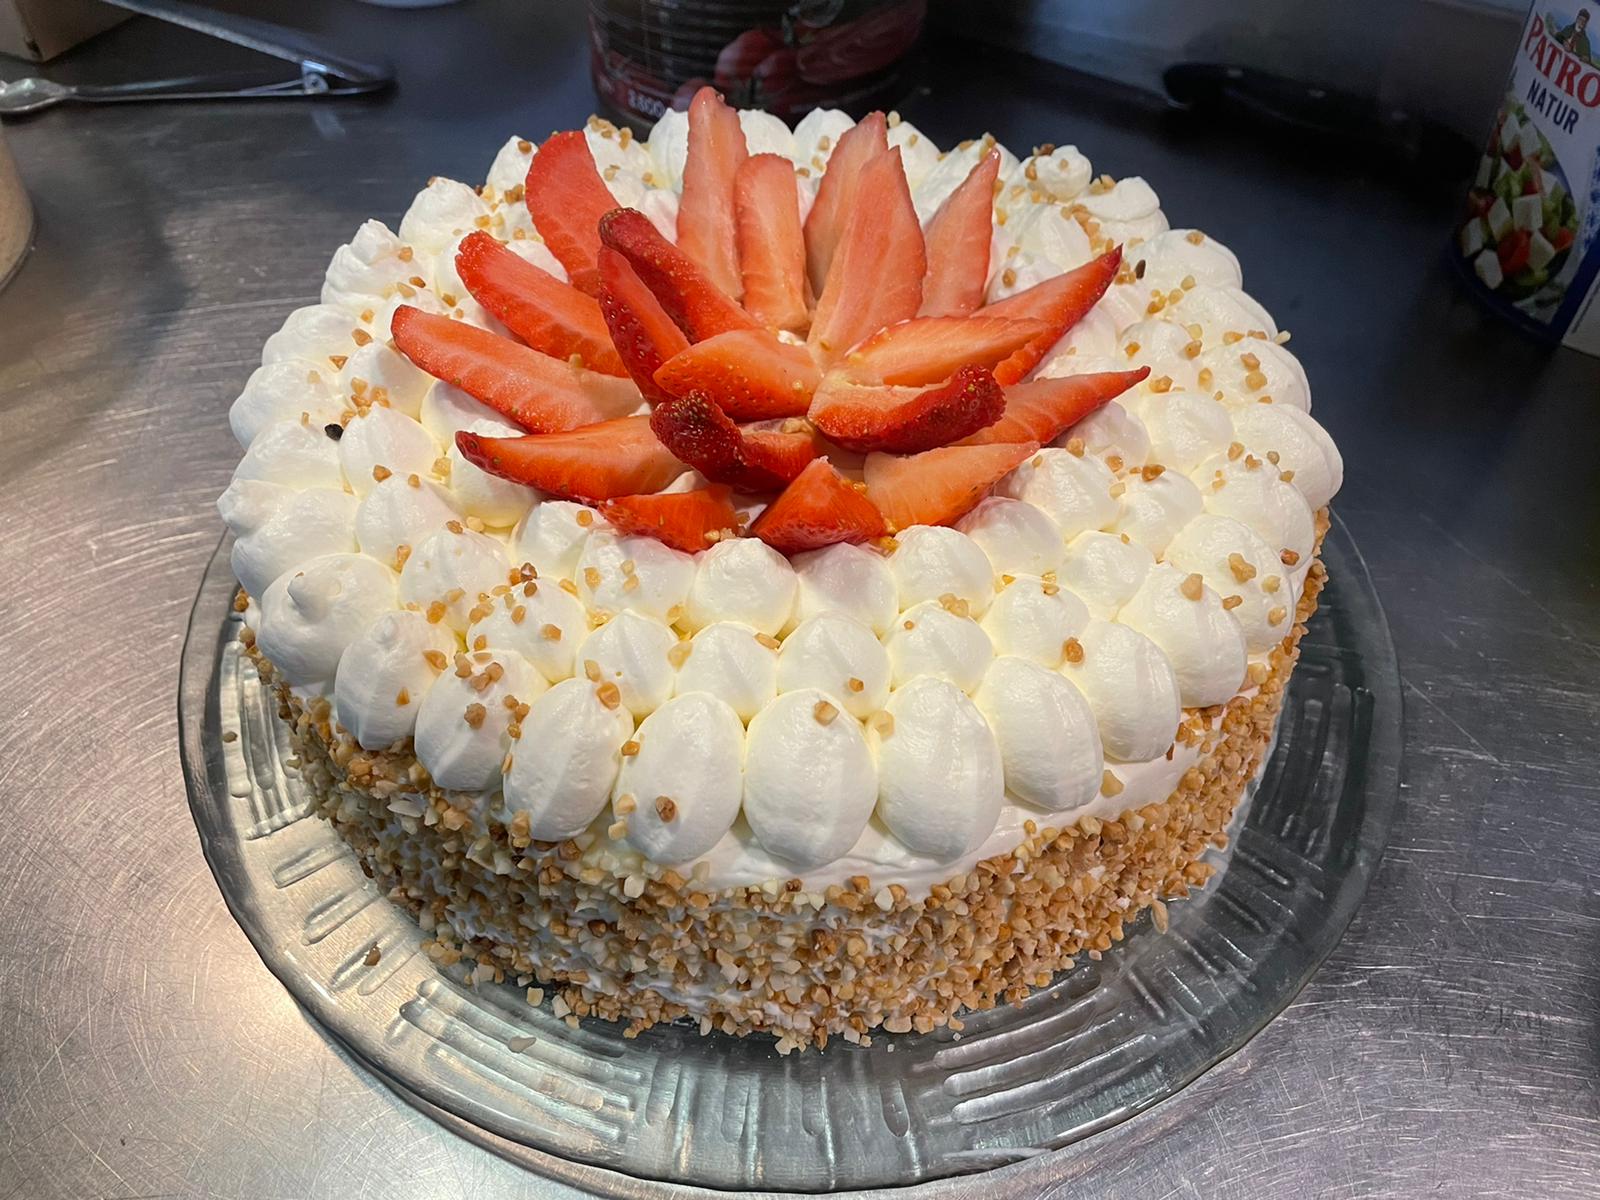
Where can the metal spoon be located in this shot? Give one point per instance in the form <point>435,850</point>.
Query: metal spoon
<point>321,73</point>
<point>32,94</point>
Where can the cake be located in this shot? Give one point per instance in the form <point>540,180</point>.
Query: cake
<point>796,581</point>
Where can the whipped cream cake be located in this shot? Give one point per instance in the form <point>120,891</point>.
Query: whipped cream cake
<point>802,581</point>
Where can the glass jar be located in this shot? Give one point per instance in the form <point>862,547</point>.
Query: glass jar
<point>647,56</point>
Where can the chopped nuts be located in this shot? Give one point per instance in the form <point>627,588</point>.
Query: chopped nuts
<point>1192,587</point>
<point>665,808</point>
<point>824,712</point>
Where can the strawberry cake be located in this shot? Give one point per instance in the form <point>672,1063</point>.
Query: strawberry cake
<point>800,581</point>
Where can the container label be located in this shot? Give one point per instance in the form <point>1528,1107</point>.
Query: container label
<point>1529,236</point>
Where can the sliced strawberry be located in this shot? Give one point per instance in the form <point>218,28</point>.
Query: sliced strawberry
<point>685,291</point>
<point>958,240</point>
<point>705,214</point>
<point>566,198</point>
<point>641,331</point>
<point>597,462</point>
<point>552,317</point>
<point>687,521</point>
<point>939,486</point>
<point>540,393</point>
<point>772,248</point>
<point>750,374</point>
<point>1060,302</point>
<point>778,452</point>
<point>875,278</point>
<point>699,433</point>
<point>1041,410</point>
<point>904,420</point>
<point>928,349</point>
<point>836,193</point>
<point>820,508</point>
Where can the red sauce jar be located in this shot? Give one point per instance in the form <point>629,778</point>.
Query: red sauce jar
<point>651,55</point>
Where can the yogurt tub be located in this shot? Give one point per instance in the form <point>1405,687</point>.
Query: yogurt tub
<point>1528,240</point>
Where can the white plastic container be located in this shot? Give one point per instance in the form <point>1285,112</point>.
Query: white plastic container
<point>1528,240</point>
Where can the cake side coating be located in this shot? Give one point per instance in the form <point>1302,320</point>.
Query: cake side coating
<point>861,956</point>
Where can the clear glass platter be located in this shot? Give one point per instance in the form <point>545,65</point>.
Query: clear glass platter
<point>1103,1042</point>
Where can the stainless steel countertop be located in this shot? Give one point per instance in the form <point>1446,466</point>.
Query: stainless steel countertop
<point>1451,1046</point>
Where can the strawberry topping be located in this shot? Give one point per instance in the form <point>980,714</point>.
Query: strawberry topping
<point>903,362</point>
<point>958,239</point>
<point>685,290</point>
<point>566,198</point>
<point>836,193</point>
<point>643,334</point>
<point>597,462</point>
<point>541,311</point>
<point>875,277</point>
<point>904,420</point>
<point>1041,410</point>
<point>540,393</point>
<point>749,373</point>
<point>938,487</point>
<point>929,349</point>
<point>772,248</point>
<point>687,521</point>
<point>1060,303</point>
<point>700,434</point>
<point>705,213</point>
<point>820,508</point>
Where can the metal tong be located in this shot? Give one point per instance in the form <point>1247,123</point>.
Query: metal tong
<point>321,73</point>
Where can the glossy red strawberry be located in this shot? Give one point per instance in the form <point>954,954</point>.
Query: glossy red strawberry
<point>1041,410</point>
<point>540,310</point>
<point>772,249</point>
<point>1060,302</point>
<point>687,521</point>
<point>705,212</point>
<point>749,373</point>
<point>597,462</point>
<point>958,239</point>
<point>566,198</point>
<point>875,277</point>
<point>930,349</point>
<point>836,192</point>
<point>641,331</point>
<point>820,508</point>
<point>700,434</point>
<point>904,420</point>
<point>540,393</point>
<point>938,487</point>
<point>685,290</point>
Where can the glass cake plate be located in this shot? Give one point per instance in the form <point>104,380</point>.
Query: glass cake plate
<point>1101,1043</point>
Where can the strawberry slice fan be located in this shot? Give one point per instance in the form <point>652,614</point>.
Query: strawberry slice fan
<point>765,353</point>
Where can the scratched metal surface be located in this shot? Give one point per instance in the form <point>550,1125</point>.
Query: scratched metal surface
<point>1451,1045</point>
